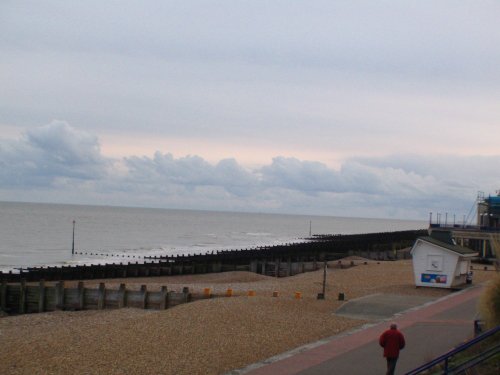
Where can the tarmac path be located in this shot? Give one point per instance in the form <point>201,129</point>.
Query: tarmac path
<point>430,330</point>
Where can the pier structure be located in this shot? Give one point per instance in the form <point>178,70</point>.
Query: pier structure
<point>484,235</point>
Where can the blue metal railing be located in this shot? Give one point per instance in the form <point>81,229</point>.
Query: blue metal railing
<point>470,362</point>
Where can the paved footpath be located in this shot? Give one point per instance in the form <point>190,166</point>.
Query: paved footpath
<point>430,330</point>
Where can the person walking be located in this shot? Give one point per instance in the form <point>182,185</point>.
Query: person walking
<point>392,340</point>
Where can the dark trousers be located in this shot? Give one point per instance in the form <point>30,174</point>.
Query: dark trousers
<point>391,365</point>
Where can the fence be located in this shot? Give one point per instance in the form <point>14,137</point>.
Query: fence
<point>451,362</point>
<point>23,298</point>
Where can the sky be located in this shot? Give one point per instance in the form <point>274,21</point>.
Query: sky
<point>385,109</point>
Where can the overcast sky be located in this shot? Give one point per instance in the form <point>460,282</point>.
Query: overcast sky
<point>342,108</point>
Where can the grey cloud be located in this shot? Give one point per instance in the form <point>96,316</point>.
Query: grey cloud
<point>348,36</point>
<point>306,176</point>
<point>49,152</point>
<point>190,171</point>
<point>59,162</point>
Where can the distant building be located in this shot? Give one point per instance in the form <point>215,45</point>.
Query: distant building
<point>439,263</point>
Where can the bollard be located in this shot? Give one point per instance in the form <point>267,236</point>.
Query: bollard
<point>229,293</point>
<point>341,296</point>
<point>251,293</point>
<point>276,293</point>
<point>207,292</point>
<point>298,295</point>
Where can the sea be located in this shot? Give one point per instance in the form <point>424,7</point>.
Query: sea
<point>40,234</point>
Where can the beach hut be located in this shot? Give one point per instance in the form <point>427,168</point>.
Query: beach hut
<point>439,262</point>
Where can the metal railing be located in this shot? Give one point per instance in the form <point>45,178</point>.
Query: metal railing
<point>467,227</point>
<point>449,368</point>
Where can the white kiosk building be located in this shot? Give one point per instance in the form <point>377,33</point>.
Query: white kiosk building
<point>439,262</point>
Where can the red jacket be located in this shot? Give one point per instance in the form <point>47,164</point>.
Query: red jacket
<point>392,341</point>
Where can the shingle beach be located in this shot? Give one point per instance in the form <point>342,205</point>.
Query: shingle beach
<point>211,336</point>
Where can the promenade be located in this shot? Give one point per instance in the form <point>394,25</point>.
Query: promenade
<point>430,330</point>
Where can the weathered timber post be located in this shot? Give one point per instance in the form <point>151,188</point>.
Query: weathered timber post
<point>73,246</point>
<point>277,266</point>
<point>3,296</point>
<point>41,296</point>
<point>22,297</point>
<point>81,300</point>
<point>163,298</point>
<point>324,279</point>
<point>253,266</point>
<point>101,296</point>
<point>289,266</point>
<point>185,291</point>
<point>122,301</point>
<point>144,296</point>
<point>217,266</point>
<point>264,264</point>
<point>60,295</point>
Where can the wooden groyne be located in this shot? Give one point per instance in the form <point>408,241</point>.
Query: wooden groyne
<point>21,298</point>
<point>280,260</point>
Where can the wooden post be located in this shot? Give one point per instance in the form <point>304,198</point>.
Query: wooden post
<point>324,278</point>
<point>22,297</point>
<point>101,296</point>
<point>81,296</point>
<point>185,291</point>
<point>73,246</point>
<point>164,298</point>
<point>41,296</point>
<point>122,301</point>
<point>144,296</point>
<point>253,266</point>
<point>60,295</point>
<point>3,296</point>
